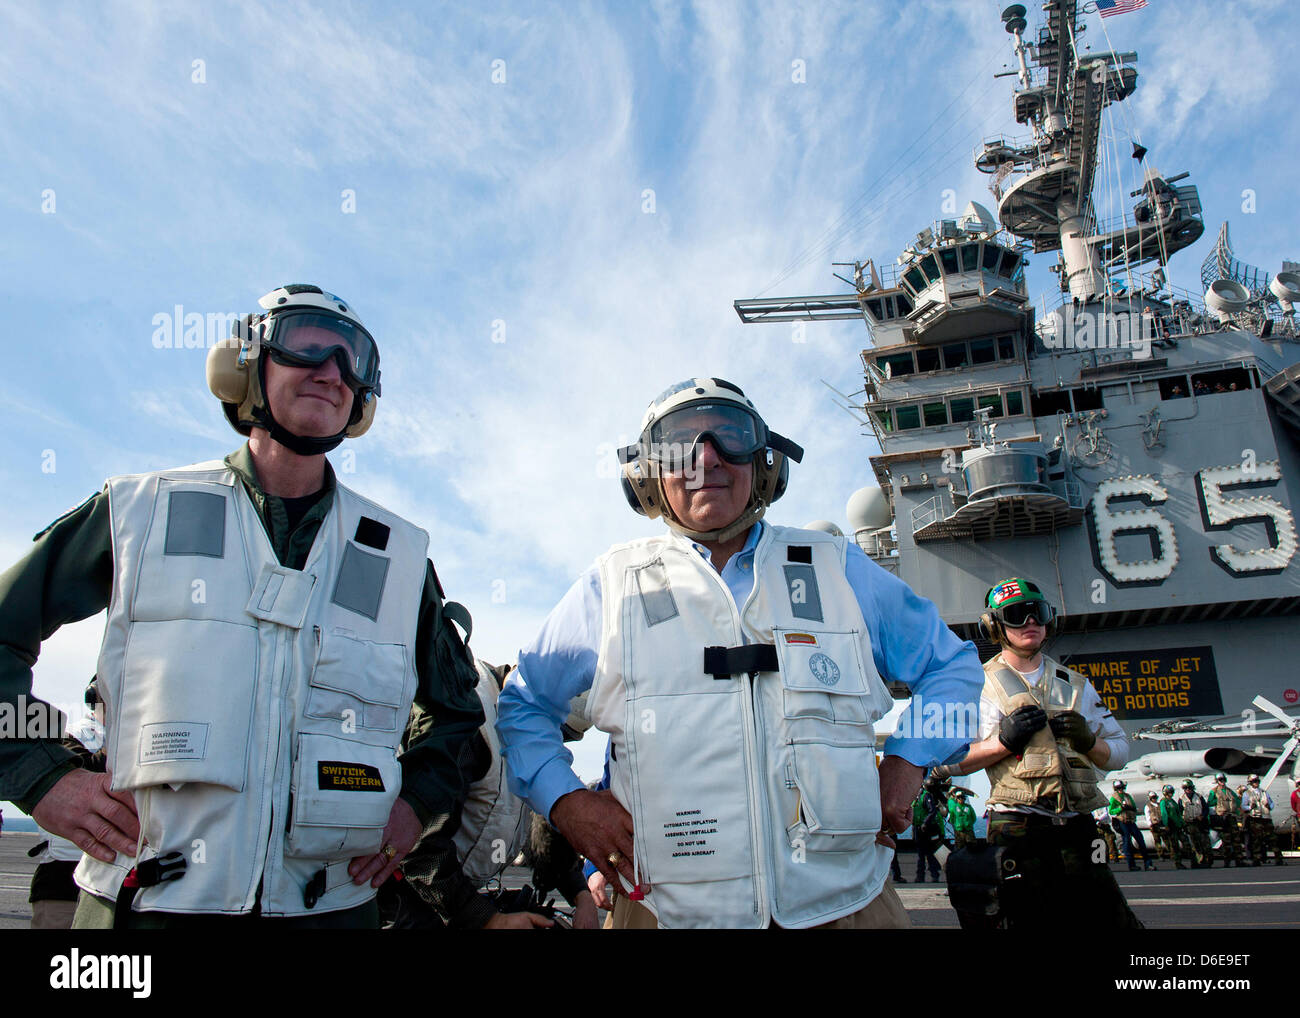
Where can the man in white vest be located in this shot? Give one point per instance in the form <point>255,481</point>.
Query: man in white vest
<point>1045,736</point>
<point>267,632</point>
<point>738,668</point>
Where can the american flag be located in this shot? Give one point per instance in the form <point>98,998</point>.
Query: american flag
<point>1109,8</point>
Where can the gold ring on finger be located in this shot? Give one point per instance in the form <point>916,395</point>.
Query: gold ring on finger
<point>615,858</point>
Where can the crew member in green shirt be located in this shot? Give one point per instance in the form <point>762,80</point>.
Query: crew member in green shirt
<point>962,817</point>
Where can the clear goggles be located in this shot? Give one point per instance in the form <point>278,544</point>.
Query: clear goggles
<point>736,433</point>
<point>1019,615</point>
<point>307,338</point>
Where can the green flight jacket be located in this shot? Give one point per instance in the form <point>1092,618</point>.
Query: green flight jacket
<point>68,576</point>
<point>1171,813</point>
<point>962,815</point>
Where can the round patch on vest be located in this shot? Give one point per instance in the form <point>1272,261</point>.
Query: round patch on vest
<point>824,670</point>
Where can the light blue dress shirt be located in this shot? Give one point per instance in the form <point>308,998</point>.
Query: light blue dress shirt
<point>909,642</point>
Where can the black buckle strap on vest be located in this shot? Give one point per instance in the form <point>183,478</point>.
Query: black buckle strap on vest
<point>314,889</point>
<point>149,873</point>
<point>724,662</point>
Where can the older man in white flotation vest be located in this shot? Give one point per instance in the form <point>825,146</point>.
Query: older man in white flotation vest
<point>738,668</point>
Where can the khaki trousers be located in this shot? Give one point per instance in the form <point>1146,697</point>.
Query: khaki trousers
<point>884,912</point>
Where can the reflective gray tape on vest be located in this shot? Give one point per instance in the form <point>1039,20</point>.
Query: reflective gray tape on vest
<point>196,524</point>
<point>805,598</point>
<point>656,592</point>
<point>1011,682</point>
<point>281,595</point>
<point>360,586</point>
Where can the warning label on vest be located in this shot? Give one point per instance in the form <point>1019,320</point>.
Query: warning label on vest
<point>173,740</point>
<point>348,777</point>
<point>689,833</point>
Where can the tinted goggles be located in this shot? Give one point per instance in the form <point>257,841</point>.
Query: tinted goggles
<point>735,433</point>
<point>1016,616</point>
<point>308,338</point>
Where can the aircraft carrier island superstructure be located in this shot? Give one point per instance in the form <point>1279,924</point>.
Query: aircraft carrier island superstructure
<point>1130,447</point>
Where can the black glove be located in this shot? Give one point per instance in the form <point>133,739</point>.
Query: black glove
<point>1072,727</point>
<point>1019,726</point>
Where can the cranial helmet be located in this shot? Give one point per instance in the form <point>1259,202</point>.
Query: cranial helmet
<point>300,325</point>
<point>1118,785</point>
<point>671,432</point>
<point>1187,783</point>
<point>1010,604</point>
<point>1168,790</point>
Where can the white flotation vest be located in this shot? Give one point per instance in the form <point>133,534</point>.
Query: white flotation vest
<point>494,822</point>
<point>254,710</point>
<point>754,797</point>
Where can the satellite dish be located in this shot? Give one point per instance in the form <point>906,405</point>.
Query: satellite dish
<point>825,526</point>
<point>1226,297</point>
<point>868,509</point>
<point>1286,288</point>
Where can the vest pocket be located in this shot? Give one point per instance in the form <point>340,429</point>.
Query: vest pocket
<point>359,684</point>
<point>838,797</point>
<point>343,791</point>
<point>177,724</point>
<point>825,678</point>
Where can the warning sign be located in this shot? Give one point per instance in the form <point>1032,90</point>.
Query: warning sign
<point>1138,684</point>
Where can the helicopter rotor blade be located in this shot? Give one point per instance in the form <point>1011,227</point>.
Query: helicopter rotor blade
<point>1277,764</point>
<point>1275,710</point>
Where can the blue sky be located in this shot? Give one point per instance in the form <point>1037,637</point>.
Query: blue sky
<point>536,256</point>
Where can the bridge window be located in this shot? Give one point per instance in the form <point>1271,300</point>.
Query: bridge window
<point>949,258</point>
<point>908,417</point>
<point>1007,347</point>
<point>963,409</point>
<point>935,414</point>
<point>914,279</point>
<point>1015,403</point>
<point>993,403</point>
<point>982,351</point>
<point>954,355</point>
<point>930,267</point>
<point>970,257</point>
<point>885,419</point>
<point>1010,262</point>
<point>927,359</point>
<point>895,365</point>
<point>991,252</point>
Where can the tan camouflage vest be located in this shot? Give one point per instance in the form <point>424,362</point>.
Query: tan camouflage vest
<point>1050,774</point>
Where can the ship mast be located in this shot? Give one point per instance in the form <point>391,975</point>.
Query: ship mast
<point>1051,204</point>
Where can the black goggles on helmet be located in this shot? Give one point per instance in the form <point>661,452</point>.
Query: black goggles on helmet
<point>1018,615</point>
<point>306,338</point>
<point>672,440</point>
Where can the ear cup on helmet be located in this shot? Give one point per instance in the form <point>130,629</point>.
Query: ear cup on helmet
<point>366,419</point>
<point>641,490</point>
<point>990,628</point>
<point>227,378</point>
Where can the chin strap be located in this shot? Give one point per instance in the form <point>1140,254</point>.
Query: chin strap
<point>746,520</point>
<point>296,443</point>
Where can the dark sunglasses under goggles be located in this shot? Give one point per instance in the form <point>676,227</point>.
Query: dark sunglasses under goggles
<point>308,338</point>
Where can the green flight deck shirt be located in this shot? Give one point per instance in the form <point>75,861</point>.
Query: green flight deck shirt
<point>68,576</point>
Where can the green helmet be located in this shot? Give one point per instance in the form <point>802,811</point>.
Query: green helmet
<point>1014,590</point>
